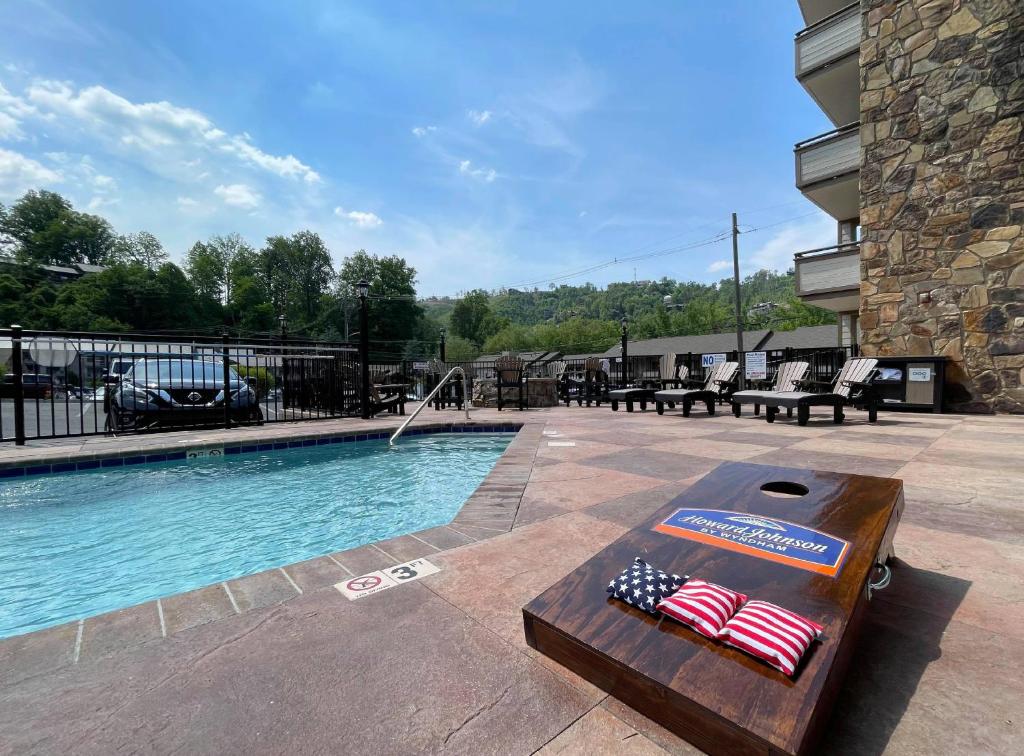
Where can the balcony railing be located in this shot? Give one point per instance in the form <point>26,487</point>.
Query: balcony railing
<point>828,270</point>
<point>825,43</point>
<point>828,156</point>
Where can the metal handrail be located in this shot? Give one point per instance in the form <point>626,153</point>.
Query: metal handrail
<point>431,395</point>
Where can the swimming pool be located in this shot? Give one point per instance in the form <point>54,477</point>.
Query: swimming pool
<point>83,543</point>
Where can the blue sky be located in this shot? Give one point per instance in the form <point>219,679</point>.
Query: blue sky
<point>491,144</point>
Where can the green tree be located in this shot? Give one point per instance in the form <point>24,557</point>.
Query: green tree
<point>394,316</point>
<point>215,265</point>
<point>142,248</point>
<point>44,228</point>
<point>472,317</point>
<point>297,272</point>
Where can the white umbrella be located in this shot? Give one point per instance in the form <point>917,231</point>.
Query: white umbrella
<point>48,351</point>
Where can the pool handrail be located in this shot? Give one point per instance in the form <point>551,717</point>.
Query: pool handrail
<point>426,401</point>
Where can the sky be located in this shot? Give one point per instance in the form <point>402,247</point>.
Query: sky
<point>491,144</point>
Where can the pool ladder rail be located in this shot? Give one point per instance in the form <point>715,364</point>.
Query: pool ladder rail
<point>426,401</point>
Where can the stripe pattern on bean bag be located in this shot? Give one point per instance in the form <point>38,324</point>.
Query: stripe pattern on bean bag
<point>705,607</point>
<point>772,634</point>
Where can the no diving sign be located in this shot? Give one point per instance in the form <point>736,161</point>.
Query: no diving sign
<point>381,580</point>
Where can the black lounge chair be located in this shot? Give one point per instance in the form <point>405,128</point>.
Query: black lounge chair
<point>392,403</point>
<point>510,374</point>
<point>716,386</point>
<point>851,387</point>
<point>787,378</point>
<point>672,376</point>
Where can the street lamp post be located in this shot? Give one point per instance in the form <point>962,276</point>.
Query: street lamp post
<point>363,289</point>
<point>284,360</point>
<point>443,334</point>
<point>625,351</point>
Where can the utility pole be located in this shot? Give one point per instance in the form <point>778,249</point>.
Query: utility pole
<point>739,307</point>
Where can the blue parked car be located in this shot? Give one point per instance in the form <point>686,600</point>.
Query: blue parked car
<point>179,392</point>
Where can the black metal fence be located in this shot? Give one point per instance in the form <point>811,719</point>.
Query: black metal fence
<point>62,384</point>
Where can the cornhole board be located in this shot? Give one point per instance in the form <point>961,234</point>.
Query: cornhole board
<point>714,696</point>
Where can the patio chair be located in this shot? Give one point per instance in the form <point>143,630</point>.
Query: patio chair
<point>392,403</point>
<point>852,386</point>
<point>590,386</point>
<point>715,387</point>
<point>510,375</point>
<point>671,376</point>
<point>787,378</point>
<point>454,392</point>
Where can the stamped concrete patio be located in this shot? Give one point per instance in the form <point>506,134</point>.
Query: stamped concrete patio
<point>281,662</point>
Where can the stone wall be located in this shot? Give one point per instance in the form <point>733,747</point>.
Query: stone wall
<point>942,192</point>
<point>540,392</point>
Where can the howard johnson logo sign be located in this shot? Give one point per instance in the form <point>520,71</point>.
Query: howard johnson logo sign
<point>771,539</point>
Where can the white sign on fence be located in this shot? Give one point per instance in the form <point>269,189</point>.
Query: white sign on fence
<point>756,366</point>
<point>419,365</point>
<point>710,360</point>
<point>920,374</point>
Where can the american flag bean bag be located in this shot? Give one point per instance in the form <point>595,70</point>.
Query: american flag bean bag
<point>703,606</point>
<point>771,633</point>
<point>643,586</point>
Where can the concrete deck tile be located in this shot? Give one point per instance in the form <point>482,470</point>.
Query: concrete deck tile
<point>632,509</point>
<point>523,563</point>
<point>983,483</point>
<point>113,632</point>
<point>314,574</point>
<point>668,741</point>
<point>652,463</point>
<point>705,446</point>
<point>406,548</point>
<point>187,610</point>
<point>585,447</point>
<point>630,439</point>
<point>1010,462</point>
<point>282,680</point>
<point>841,463</point>
<point>919,684</point>
<point>262,589</point>
<point>597,732</point>
<point>363,559</point>
<point>962,512</point>
<point>757,438</point>
<point>443,537</point>
<point>853,446</point>
<point>37,653</point>
<point>584,486</point>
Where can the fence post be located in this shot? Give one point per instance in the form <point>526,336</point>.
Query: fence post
<point>19,386</point>
<point>227,381</point>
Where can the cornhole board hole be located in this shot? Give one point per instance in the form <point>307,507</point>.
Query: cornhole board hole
<point>712,695</point>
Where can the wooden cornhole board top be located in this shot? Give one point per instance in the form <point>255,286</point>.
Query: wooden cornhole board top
<point>710,694</point>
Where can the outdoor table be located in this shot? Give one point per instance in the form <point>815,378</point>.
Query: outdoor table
<point>715,696</point>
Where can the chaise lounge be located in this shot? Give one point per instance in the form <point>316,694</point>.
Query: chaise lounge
<point>671,376</point>
<point>716,386</point>
<point>787,378</point>
<point>851,387</point>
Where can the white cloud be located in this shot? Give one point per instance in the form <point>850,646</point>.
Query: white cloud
<point>99,201</point>
<point>422,131</point>
<point>719,265</point>
<point>156,127</point>
<point>777,252</point>
<point>487,175</point>
<point>186,202</point>
<point>19,173</point>
<point>479,117</point>
<point>239,195</point>
<point>358,218</point>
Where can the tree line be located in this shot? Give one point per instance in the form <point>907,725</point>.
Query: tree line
<point>224,282</point>
<point>582,319</point>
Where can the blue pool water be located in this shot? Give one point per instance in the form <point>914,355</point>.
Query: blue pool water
<point>83,543</point>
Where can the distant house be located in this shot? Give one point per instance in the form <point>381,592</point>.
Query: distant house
<point>645,354</point>
<point>55,273</point>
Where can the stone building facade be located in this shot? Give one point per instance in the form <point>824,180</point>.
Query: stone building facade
<point>942,191</point>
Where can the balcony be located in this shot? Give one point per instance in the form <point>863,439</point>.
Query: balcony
<point>830,277</point>
<point>828,171</point>
<point>827,63</point>
<point>814,11</point>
